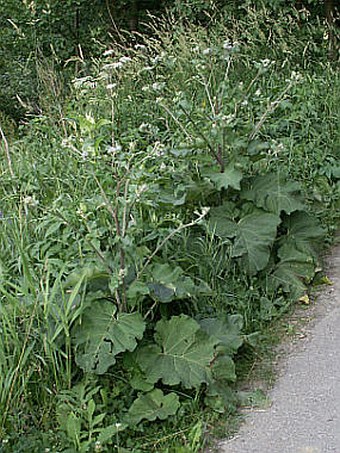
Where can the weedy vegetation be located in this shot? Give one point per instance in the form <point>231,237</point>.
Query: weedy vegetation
<point>154,221</point>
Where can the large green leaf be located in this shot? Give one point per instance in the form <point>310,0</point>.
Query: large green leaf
<point>221,397</point>
<point>231,177</point>
<point>273,193</point>
<point>255,235</point>
<point>290,277</point>
<point>226,331</point>
<point>102,334</point>
<point>294,268</point>
<point>223,369</point>
<point>169,283</point>
<point>303,232</point>
<point>222,220</point>
<point>182,353</point>
<point>153,405</point>
<point>297,253</point>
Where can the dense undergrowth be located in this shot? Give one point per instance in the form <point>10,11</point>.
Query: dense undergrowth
<point>152,225</point>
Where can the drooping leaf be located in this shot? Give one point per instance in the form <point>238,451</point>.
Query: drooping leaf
<point>222,220</point>
<point>138,380</point>
<point>182,353</point>
<point>288,253</point>
<point>161,292</point>
<point>92,273</point>
<point>224,369</point>
<point>153,405</point>
<point>297,253</point>
<point>231,177</point>
<point>255,235</point>
<point>103,334</point>
<point>168,197</point>
<point>165,273</point>
<point>285,276</point>
<point>303,232</point>
<point>220,397</point>
<point>294,269</point>
<point>226,331</point>
<point>169,283</point>
<point>273,193</point>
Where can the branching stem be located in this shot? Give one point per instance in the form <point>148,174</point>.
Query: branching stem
<point>168,237</point>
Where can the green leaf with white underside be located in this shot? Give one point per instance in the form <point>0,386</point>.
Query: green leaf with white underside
<point>273,193</point>
<point>102,334</point>
<point>182,353</point>
<point>153,405</point>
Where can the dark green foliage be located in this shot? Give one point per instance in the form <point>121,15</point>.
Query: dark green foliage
<point>153,405</point>
<point>102,335</point>
<point>158,218</point>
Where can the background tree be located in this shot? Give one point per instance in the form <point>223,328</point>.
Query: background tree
<point>67,34</point>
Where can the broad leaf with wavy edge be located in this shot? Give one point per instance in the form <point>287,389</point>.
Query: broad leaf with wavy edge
<point>226,331</point>
<point>303,232</point>
<point>103,334</point>
<point>182,353</point>
<point>273,193</point>
<point>153,405</point>
<point>297,253</point>
<point>230,177</point>
<point>255,235</point>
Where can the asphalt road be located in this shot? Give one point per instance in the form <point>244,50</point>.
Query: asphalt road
<point>304,416</point>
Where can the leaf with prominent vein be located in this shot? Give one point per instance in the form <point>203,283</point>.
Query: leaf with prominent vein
<point>221,220</point>
<point>294,268</point>
<point>231,177</point>
<point>226,331</point>
<point>153,405</point>
<point>255,236</point>
<point>169,283</point>
<point>103,334</point>
<point>182,353</point>
<point>273,193</point>
<point>303,232</point>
